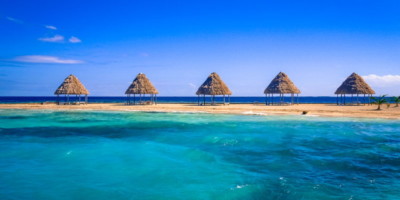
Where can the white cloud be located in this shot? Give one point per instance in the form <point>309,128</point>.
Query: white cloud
<point>56,38</point>
<point>50,27</point>
<point>15,20</point>
<point>45,59</point>
<point>382,81</point>
<point>74,40</point>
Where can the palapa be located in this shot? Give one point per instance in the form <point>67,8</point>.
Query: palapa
<point>281,85</point>
<point>141,86</point>
<point>71,86</point>
<point>213,86</point>
<point>354,85</point>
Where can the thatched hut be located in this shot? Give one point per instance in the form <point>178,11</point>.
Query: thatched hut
<point>71,86</point>
<point>213,86</point>
<point>353,85</point>
<point>281,85</point>
<point>141,86</point>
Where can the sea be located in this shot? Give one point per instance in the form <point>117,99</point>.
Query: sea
<point>65,155</point>
<point>192,99</point>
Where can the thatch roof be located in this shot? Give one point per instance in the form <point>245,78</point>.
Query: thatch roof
<point>141,85</point>
<point>71,85</point>
<point>281,84</point>
<point>354,84</point>
<point>213,86</point>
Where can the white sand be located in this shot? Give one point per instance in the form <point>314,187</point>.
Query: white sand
<point>331,110</point>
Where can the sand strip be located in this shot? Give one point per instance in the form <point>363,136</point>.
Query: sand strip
<point>328,110</point>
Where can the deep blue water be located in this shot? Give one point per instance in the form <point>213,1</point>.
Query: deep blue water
<point>137,155</point>
<point>173,99</point>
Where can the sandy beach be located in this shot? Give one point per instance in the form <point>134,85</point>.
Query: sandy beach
<point>327,110</point>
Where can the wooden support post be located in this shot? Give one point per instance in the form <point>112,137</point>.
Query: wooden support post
<point>292,98</point>
<point>297,98</point>
<point>358,103</point>
<point>272,98</point>
<point>351,100</point>
<point>365,100</point>
<point>344,99</point>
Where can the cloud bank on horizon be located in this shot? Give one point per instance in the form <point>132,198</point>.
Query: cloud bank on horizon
<point>384,84</point>
<point>384,80</point>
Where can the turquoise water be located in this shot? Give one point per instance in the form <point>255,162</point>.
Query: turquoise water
<point>133,155</point>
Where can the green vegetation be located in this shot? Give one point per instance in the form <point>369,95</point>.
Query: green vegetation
<point>379,101</point>
<point>396,100</point>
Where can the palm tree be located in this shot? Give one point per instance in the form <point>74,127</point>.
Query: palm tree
<point>396,100</point>
<point>379,101</point>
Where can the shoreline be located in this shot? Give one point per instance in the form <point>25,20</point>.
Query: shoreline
<point>323,110</point>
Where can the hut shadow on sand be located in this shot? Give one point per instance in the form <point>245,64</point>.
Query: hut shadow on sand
<point>281,85</point>
<point>213,86</point>
<point>72,89</point>
<point>140,87</point>
<point>354,86</point>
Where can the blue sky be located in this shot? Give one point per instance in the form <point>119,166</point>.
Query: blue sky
<point>177,44</point>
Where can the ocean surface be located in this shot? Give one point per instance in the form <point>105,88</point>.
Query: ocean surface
<point>193,99</point>
<point>135,155</point>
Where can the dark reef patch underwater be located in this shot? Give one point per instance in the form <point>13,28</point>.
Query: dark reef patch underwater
<point>136,155</point>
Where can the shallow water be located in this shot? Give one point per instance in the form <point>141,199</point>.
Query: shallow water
<point>135,155</point>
